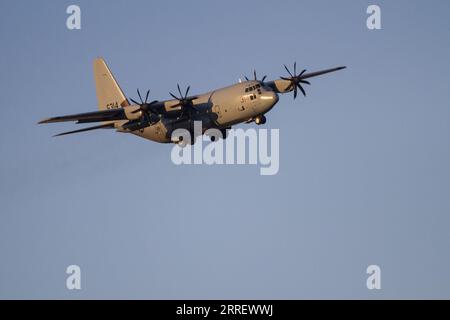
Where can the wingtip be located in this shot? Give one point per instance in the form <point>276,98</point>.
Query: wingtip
<point>60,134</point>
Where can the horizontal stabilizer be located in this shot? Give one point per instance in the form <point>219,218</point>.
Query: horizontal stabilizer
<point>103,126</point>
<point>96,116</point>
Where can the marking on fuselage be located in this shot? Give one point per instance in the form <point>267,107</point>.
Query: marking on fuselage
<point>112,105</point>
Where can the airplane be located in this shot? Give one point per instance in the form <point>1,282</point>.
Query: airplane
<point>244,102</point>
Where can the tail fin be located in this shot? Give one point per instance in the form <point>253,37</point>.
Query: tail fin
<point>109,94</point>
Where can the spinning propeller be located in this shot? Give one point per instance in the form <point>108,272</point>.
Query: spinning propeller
<point>296,80</point>
<point>255,77</point>
<point>184,101</point>
<point>147,110</point>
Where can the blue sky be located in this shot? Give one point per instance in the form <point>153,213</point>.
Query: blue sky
<point>364,175</point>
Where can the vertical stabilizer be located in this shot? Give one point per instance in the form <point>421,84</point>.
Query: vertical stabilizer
<point>109,93</point>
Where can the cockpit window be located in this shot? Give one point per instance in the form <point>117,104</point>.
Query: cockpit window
<point>256,86</point>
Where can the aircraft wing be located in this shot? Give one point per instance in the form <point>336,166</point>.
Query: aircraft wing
<point>318,73</point>
<point>96,116</point>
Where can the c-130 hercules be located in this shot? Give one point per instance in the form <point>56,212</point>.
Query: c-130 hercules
<point>246,101</point>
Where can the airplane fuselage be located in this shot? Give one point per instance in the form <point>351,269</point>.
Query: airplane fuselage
<point>220,109</point>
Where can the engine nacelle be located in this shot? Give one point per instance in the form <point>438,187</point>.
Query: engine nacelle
<point>129,112</point>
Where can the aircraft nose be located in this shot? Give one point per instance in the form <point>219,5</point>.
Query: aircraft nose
<point>275,97</point>
<point>270,96</point>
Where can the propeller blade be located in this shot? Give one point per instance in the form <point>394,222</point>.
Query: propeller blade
<point>174,96</point>
<point>146,96</point>
<point>179,90</point>
<point>301,73</point>
<point>263,78</point>
<point>295,68</point>
<point>295,92</point>
<point>305,82</point>
<point>139,94</point>
<point>288,71</point>
<point>135,102</point>
<point>246,78</point>
<point>254,74</point>
<point>187,91</point>
<point>301,89</point>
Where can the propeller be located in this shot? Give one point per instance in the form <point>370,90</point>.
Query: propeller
<point>148,113</point>
<point>256,78</point>
<point>296,80</point>
<point>184,101</point>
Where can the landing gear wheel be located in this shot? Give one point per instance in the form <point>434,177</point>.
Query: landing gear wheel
<point>259,120</point>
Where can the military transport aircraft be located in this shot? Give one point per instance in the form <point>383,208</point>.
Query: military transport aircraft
<point>243,102</point>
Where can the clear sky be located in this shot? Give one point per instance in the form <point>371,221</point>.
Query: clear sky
<point>364,159</point>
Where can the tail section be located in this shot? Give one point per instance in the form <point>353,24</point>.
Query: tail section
<point>109,94</point>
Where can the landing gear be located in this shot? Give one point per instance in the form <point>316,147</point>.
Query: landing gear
<point>259,120</point>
